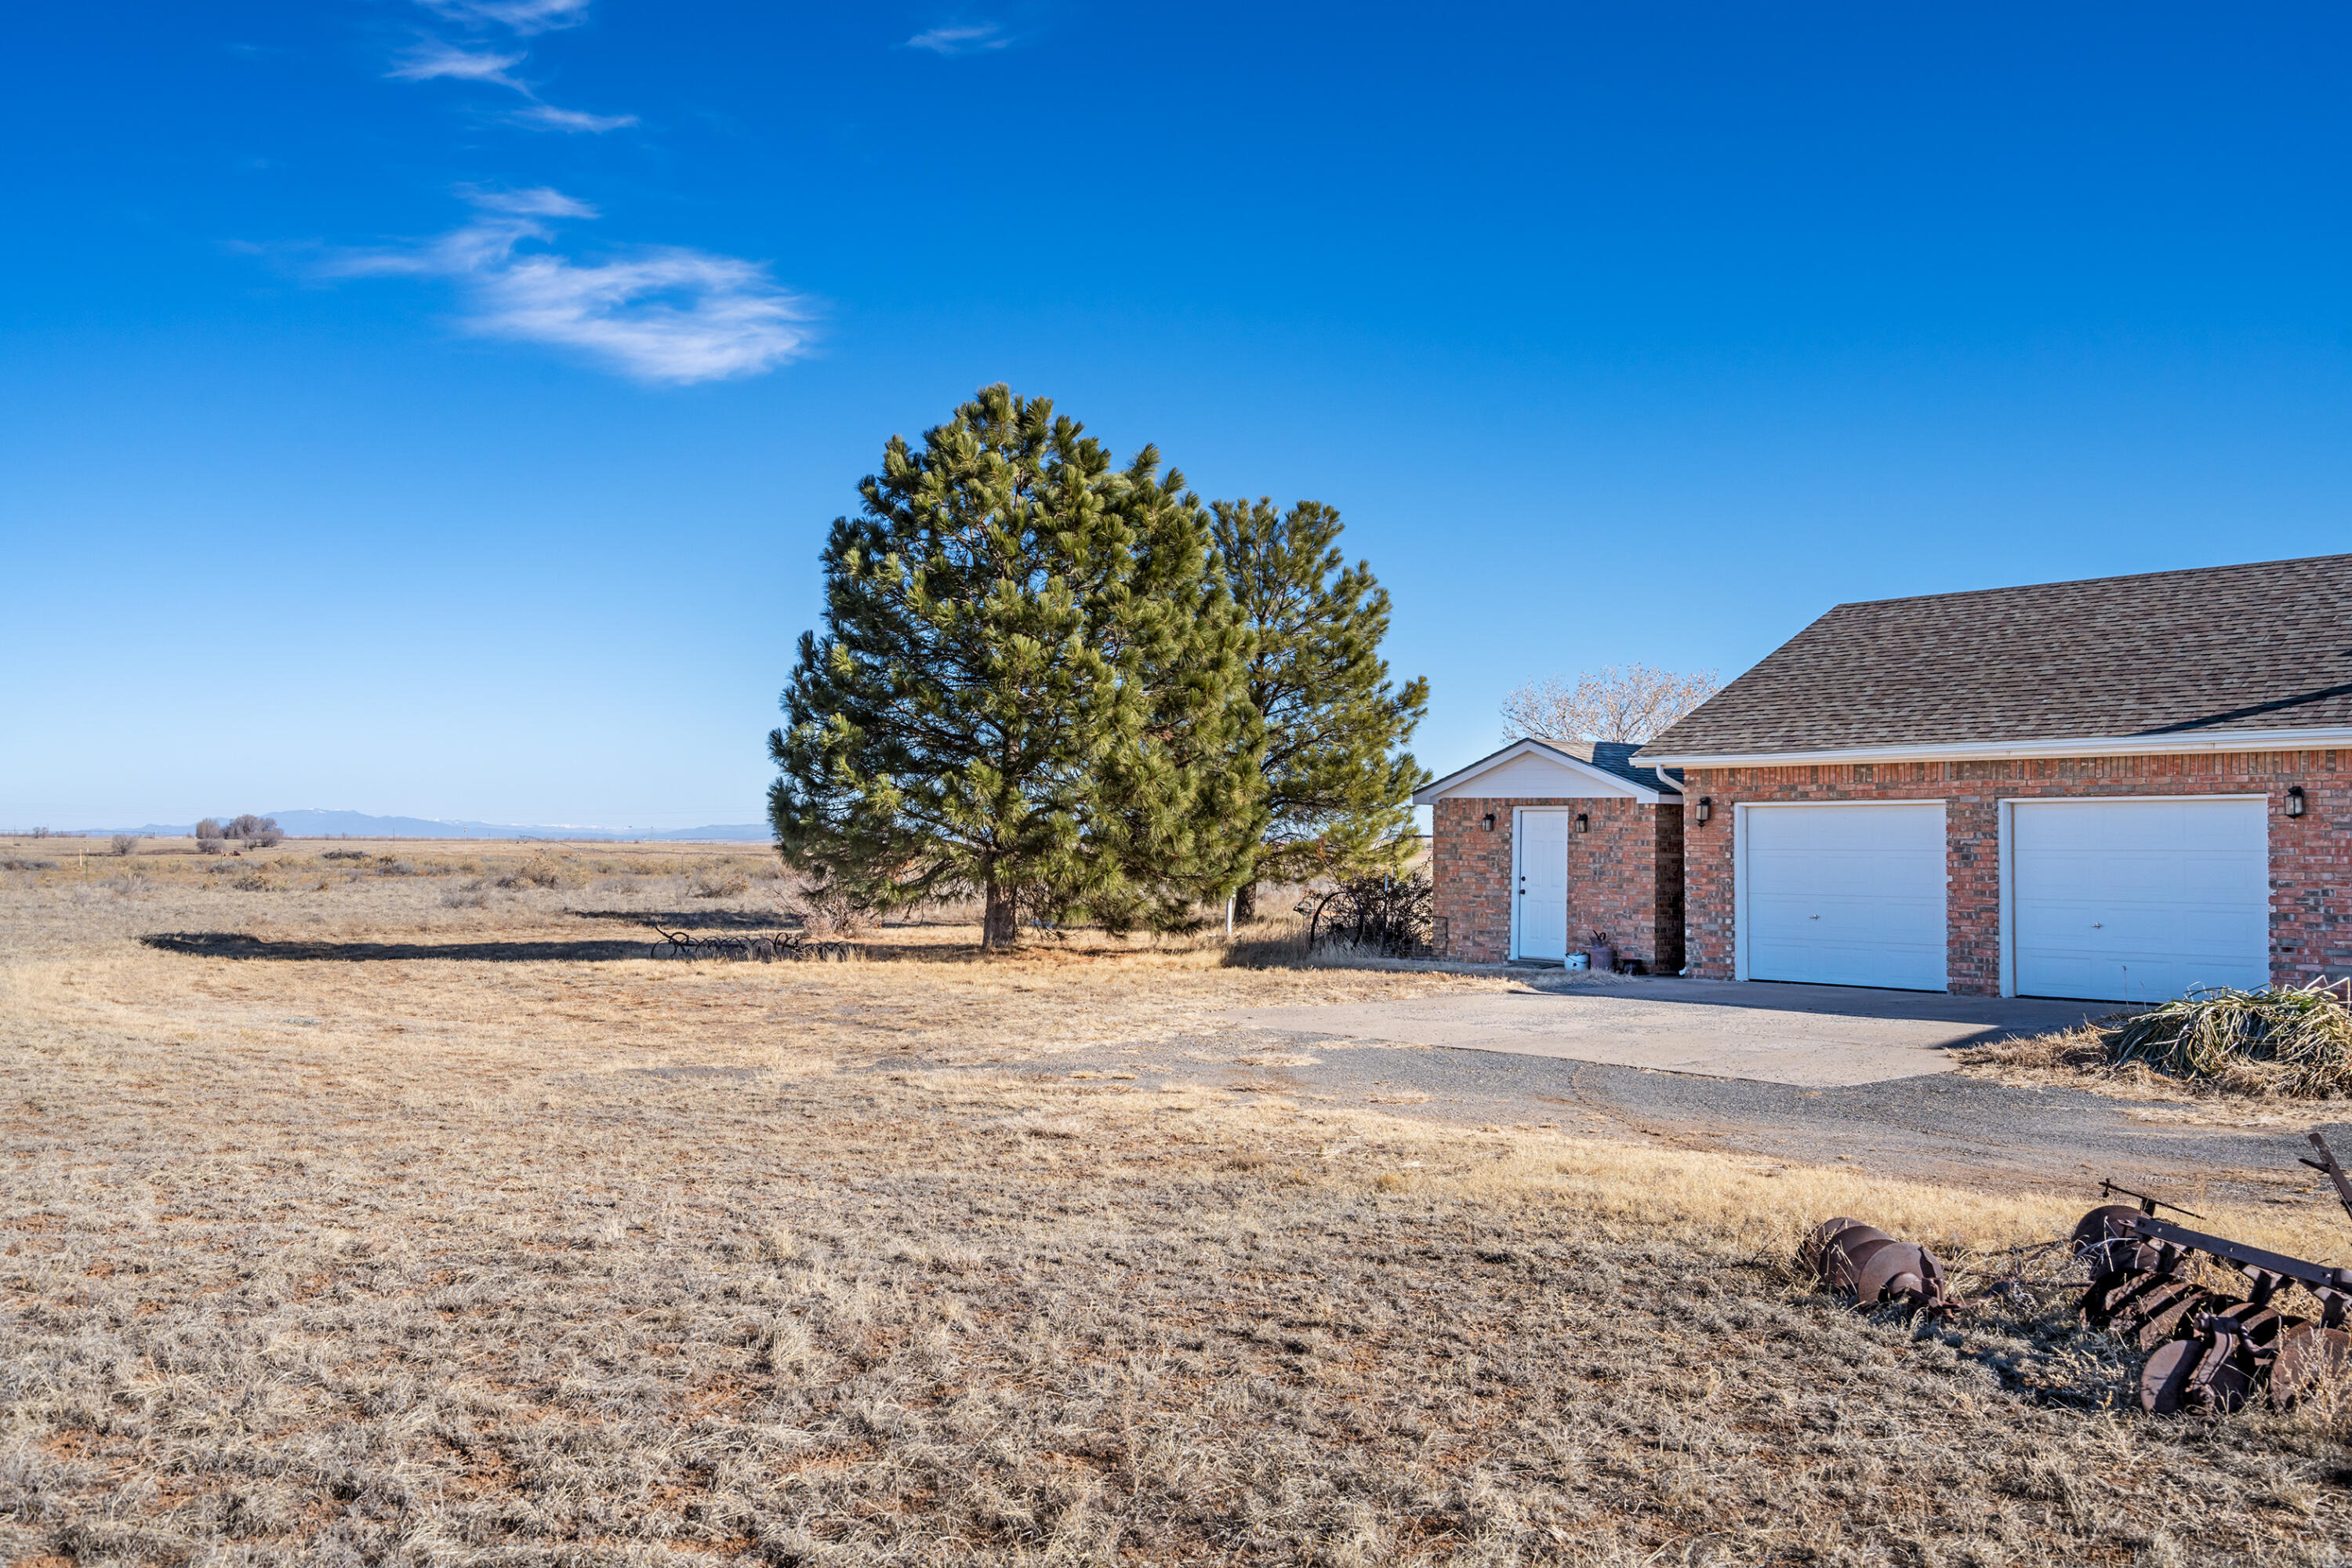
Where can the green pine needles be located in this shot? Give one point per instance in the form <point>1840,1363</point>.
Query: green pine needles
<point>1029,684</point>
<point>1339,782</point>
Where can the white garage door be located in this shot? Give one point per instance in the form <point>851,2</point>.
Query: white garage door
<point>1844,895</point>
<point>2138,901</point>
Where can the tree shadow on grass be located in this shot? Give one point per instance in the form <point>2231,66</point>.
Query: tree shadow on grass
<point>239,944</point>
<point>698,919</point>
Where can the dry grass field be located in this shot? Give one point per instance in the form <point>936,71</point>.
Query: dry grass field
<point>432,1222</point>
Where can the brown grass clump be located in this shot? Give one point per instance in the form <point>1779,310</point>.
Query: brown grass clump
<point>2225,1057</point>
<point>453,1239</point>
<point>718,882</point>
<point>2284,1041</point>
<point>543,871</point>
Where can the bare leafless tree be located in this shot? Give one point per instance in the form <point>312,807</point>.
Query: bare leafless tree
<point>125,843</point>
<point>252,830</point>
<point>1617,702</point>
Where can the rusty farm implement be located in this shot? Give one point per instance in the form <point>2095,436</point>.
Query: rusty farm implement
<point>2212,1314</point>
<point>2211,1348</point>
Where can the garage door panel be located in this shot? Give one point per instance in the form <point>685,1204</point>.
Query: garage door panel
<point>2139,901</point>
<point>1845,895</point>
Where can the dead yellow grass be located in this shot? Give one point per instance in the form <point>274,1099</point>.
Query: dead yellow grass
<point>2077,1058</point>
<point>469,1236</point>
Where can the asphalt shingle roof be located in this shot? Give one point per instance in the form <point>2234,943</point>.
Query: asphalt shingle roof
<point>1615,757</point>
<point>2262,646</point>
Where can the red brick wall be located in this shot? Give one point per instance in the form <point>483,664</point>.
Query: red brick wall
<point>1666,925</point>
<point>1616,871</point>
<point>2311,857</point>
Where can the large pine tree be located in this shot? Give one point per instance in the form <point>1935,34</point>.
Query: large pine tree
<point>1339,782</point>
<point>1028,685</point>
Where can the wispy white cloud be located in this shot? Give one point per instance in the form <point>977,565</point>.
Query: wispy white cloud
<point>658,314</point>
<point>536,200</point>
<point>433,60</point>
<point>962,39</point>
<point>548,117</point>
<point>523,17</point>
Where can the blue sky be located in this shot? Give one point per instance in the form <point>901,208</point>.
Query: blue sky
<point>437,408</point>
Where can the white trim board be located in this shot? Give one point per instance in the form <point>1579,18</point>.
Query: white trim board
<point>1529,770</point>
<point>2333,738</point>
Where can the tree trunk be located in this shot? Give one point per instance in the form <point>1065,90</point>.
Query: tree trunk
<point>1245,903</point>
<point>999,925</point>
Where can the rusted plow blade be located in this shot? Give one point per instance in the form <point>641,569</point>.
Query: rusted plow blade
<point>2209,1351</point>
<point>1872,1268</point>
<point>2309,1357</point>
<point>2106,1240</point>
<point>765,948</point>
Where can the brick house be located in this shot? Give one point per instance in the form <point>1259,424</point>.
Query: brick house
<point>2115,789</point>
<point>1546,842</point>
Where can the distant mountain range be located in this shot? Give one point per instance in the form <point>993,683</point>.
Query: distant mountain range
<point>359,825</point>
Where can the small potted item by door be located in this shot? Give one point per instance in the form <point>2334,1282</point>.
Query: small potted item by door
<point>1601,954</point>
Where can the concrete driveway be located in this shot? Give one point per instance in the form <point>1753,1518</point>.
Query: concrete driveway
<point>1818,1036</point>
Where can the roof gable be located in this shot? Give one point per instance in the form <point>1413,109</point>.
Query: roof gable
<point>2161,659</point>
<point>1553,770</point>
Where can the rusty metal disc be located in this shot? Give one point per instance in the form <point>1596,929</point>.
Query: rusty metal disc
<point>2127,1304</point>
<point>2308,1356</point>
<point>2097,1307</point>
<point>2165,1379</point>
<point>1812,1254</point>
<point>1848,1251</point>
<point>2208,1373</point>
<point>2262,1328</point>
<point>2105,1238</point>
<point>2167,1312</point>
<point>1904,1269</point>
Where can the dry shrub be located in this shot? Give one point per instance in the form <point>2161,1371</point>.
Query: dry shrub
<point>2291,1042</point>
<point>1386,915</point>
<point>1283,943</point>
<point>721,881</point>
<point>123,844</point>
<point>829,913</point>
<point>544,870</point>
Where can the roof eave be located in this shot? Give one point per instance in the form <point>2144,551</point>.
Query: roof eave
<point>2322,738</point>
<point>1646,794</point>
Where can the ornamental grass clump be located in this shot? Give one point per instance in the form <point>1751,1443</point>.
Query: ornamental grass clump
<point>2281,1041</point>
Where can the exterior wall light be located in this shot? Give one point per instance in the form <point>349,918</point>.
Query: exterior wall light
<point>1706,808</point>
<point>2295,801</point>
<point>1490,822</point>
<point>1583,823</point>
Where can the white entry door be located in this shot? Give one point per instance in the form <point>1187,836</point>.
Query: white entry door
<point>1541,915</point>
<point>2139,901</point>
<point>1843,895</point>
